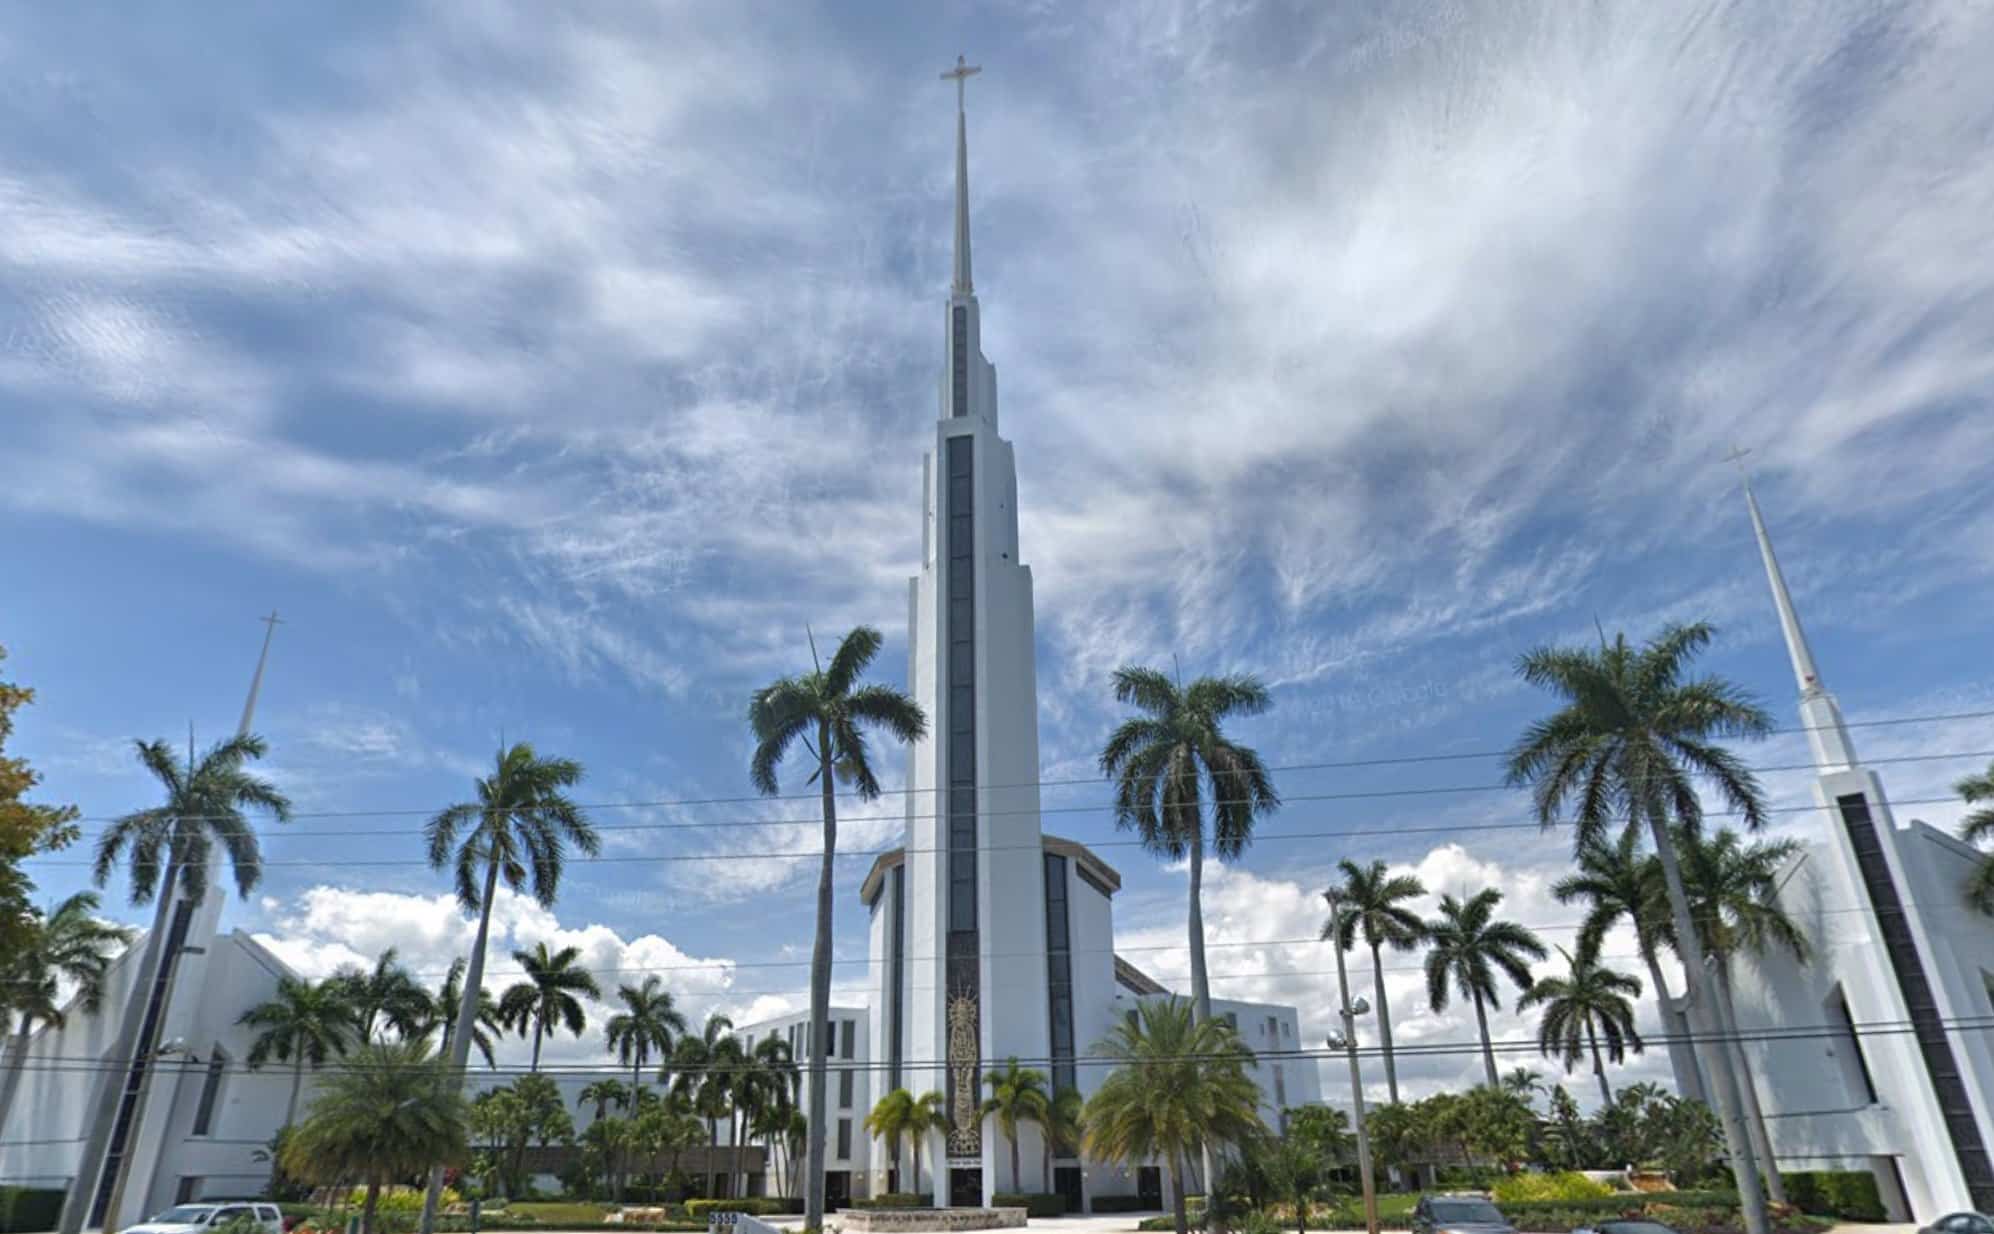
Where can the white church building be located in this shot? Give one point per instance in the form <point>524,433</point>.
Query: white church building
<point>1878,1053</point>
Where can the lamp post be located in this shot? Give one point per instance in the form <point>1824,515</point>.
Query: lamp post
<point>1346,1040</point>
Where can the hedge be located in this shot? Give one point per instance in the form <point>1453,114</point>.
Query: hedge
<point>1121,1204</point>
<point>1035,1204</point>
<point>462,1225</point>
<point>29,1208</point>
<point>1849,1194</point>
<point>1621,1203</point>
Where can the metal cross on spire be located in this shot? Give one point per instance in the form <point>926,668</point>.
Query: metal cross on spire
<point>961,73</point>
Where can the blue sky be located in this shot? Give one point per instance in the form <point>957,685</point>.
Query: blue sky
<point>550,372</point>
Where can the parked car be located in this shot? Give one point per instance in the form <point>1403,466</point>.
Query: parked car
<point>1961,1223</point>
<point>1458,1214</point>
<point>211,1218</point>
<point>1628,1225</point>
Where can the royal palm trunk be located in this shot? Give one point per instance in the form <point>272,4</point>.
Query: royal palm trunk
<point>1755,1119</point>
<point>1201,1006</point>
<point>820,991</point>
<point>1384,1023</point>
<point>460,1039</point>
<point>1737,1141</point>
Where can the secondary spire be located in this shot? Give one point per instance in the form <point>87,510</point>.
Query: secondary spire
<point>961,73</point>
<point>1826,734</point>
<point>256,681</point>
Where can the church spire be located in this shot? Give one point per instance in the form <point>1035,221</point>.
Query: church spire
<point>1826,734</point>
<point>256,681</point>
<point>962,71</point>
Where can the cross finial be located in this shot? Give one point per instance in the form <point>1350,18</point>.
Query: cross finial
<point>961,73</point>
<point>273,620</point>
<point>1737,456</point>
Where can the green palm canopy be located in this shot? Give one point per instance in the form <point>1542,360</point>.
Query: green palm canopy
<point>546,1000</point>
<point>1017,1095</point>
<point>646,1027</point>
<point>1179,1085</point>
<point>306,1023</point>
<point>1375,904</point>
<point>1469,946</point>
<point>1589,1005</point>
<point>388,1113</point>
<point>1978,828</point>
<point>69,945</point>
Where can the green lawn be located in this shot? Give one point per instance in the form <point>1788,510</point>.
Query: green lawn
<point>1394,1209</point>
<point>554,1213</point>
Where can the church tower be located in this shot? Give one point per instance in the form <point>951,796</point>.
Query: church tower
<point>974,978</point>
<point>1894,960</point>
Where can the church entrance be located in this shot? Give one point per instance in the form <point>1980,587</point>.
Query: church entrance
<point>965,1187</point>
<point>1149,1185</point>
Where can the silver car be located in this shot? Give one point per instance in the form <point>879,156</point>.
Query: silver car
<point>1961,1223</point>
<point>211,1218</point>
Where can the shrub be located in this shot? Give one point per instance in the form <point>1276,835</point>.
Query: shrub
<point>1849,1194</point>
<point>29,1208</point>
<point>1035,1204</point>
<point>1539,1188</point>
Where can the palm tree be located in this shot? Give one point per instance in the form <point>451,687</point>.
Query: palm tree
<point>929,1116</point>
<point>1062,1128</point>
<point>1978,828</point>
<point>520,827</point>
<point>1179,1084</point>
<point>828,711</point>
<point>68,945</point>
<point>1470,946</point>
<point>439,1014</point>
<point>649,1022</point>
<point>389,1112</point>
<point>387,994</point>
<point>1017,1095</point>
<point>1375,903</point>
<point>1734,893</point>
<point>890,1120</point>
<point>1625,749</point>
<point>1618,882</point>
<point>1590,1002</point>
<point>305,1024</point>
<point>545,1001</point>
<point>701,1073</point>
<point>603,1094</point>
<point>1162,762</point>
<point>1522,1081</point>
<point>170,848</point>
<point>768,1092</point>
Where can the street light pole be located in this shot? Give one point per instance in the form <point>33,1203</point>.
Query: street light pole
<point>1349,1035</point>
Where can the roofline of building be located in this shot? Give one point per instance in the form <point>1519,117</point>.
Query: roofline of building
<point>1090,863</point>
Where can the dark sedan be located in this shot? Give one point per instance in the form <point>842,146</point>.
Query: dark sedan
<point>1458,1214</point>
<point>1961,1223</point>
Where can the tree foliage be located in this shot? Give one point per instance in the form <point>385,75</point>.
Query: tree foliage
<point>391,1112</point>
<point>27,829</point>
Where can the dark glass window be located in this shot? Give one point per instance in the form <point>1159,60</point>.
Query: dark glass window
<point>845,1089</point>
<point>850,1042</point>
<point>959,360</point>
<point>1059,973</point>
<point>962,976</point>
<point>844,1138</point>
<point>897,999</point>
<point>211,1088</point>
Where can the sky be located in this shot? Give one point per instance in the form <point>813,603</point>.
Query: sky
<point>556,374</point>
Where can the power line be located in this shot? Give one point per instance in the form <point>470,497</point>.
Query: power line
<point>1344,764</point>
<point>1771,1036</point>
<point>854,854</point>
<point>289,833</point>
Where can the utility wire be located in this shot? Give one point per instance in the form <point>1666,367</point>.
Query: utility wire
<point>855,854</point>
<point>1345,764</point>
<point>1774,1036</point>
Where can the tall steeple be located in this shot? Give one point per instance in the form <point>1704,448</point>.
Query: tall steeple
<point>256,681</point>
<point>1827,735</point>
<point>962,286</point>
